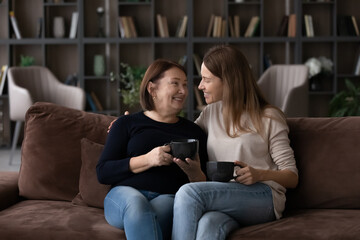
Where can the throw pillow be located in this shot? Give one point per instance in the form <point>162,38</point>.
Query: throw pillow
<point>92,192</point>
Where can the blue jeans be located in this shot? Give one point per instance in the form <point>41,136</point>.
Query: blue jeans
<point>211,210</point>
<point>142,214</point>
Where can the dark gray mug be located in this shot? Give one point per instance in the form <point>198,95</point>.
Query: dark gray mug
<point>220,171</point>
<point>184,148</point>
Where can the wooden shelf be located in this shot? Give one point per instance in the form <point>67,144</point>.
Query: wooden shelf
<point>66,56</point>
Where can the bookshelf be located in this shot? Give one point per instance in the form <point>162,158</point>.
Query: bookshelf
<point>65,56</point>
<point>4,122</point>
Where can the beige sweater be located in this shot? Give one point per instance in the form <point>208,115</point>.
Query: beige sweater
<point>273,153</point>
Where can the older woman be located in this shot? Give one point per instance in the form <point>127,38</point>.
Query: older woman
<point>136,163</point>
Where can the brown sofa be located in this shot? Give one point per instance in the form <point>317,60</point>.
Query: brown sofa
<point>56,195</point>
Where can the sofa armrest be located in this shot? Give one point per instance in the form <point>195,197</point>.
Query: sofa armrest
<point>9,191</point>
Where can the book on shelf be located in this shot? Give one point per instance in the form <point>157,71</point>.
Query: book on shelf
<point>216,26</point>
<point>223,28</point>
<point>357,66</point>
<point>309,28</point>
<point>39,27</point>
<point>217,30</point>
<point>91,102</point>
<point>127,27</point>
<point>292,25</point>
<point>3,74</point>
<point>306,26</point>
<point>74,24</point>
<point>237,26</point>
<point>177,32</point>
<point>197,62</point>
<point>231,27</point>
<point>345,26</point>
<point>267,61</point>
<point>131,22</point>
<point>357,63</point>
<point>182,60</point>
<point>252,27</point>
<point>355,25</point>
<point>121,27</point>
<point>162,26</point>
<point>165,24</point>
<point>182,25</point>
<point>96,100</point>
<point>283,28</point>
<point>200,103</point>
<point>14,25</point>
<point>210,26</point>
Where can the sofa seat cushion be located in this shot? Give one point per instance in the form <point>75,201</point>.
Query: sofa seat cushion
<point>43,219</point>
<point>326,224</point>
<point>9,191</point>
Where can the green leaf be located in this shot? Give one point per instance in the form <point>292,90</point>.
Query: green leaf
<point>346,102</point>
<point>130,79</point>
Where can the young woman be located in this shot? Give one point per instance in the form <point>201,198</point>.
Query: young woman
<point>244,128</point>
<point>139,167</point>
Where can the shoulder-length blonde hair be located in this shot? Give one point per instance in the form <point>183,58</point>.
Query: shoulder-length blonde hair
<point>154,72</point>
<point>241,93</point>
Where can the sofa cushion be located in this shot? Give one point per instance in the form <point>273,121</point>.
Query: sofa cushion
<point>92,192</point>
<point>9,191</point>
<point>56,220</point>
<point>51,151</point>
<point>312,224</point>
<point>327,156</point>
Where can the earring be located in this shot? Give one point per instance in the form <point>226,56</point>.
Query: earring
<point>154,98</point>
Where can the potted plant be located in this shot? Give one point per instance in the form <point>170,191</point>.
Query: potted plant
<point>26,61</point>
<point>130,80</point>
<point>346,102</point>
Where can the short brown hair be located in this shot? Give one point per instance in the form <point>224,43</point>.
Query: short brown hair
<point>154,72</point>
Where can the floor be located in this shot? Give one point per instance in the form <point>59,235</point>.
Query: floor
<point>4,160</point>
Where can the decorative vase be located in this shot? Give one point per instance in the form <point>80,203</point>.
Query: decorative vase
<point>59,27</point>
<point>315,82</point>
<point>99,65</point>
<point>100,13</point>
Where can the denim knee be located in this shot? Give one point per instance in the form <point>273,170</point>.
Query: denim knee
<point>215,225</point>
<point>112,213</point>
<point>185,192</point>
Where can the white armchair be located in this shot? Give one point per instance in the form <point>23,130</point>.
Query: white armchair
<point>28,85</point>
<point>286,87</point>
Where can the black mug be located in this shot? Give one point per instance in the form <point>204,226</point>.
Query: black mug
<point>220,171</point>
<point>184,148</point>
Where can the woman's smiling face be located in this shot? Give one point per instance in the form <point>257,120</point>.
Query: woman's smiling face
<point>211,85</point>
<point>171,91</point>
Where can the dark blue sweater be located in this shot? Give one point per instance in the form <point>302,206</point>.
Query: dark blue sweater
<point>136,134</point>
